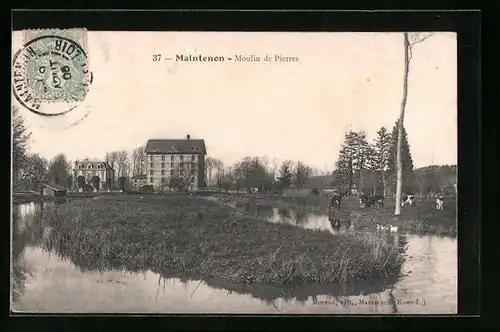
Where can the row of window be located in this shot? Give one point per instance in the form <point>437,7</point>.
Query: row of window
<point>89,173</point>
<point>193,157</point>
<point>192,164</point>
<point>193,172</point>
<point>99,166</point>
<point>164,180</point>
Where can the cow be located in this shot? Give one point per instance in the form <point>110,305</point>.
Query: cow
<point>439,203</point>
<point>375,200</point>
<point>408,200</point>
<point>339,217</point>
<point>336,200</point>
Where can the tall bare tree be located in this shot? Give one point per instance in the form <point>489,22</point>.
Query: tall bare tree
<point>111,158</point>
<point>211,164</point>
<point>35,171</point>
<point>122,163</point>
<point>409,42</point>
<point>21,169</point>
<point>219,168</point>
<point>138,160</point>
<point>302,173</point>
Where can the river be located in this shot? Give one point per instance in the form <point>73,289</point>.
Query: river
<point>43,282</point>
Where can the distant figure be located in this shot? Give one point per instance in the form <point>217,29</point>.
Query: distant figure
<point>375,200</point>
<point>408,200</point>
<point>439,203</point>
<point>336,200</point>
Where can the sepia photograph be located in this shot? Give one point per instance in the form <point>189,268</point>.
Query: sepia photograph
<point>234,172</point>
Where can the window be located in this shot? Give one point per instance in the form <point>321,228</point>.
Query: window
<point>151,172</point>
<point>163,180</point>
<point>193,157</point>
<point>151,180</point>
<point>192,179</point>
<point>162,157</point>
<point>91,166</point>
<point>171,165</point>
<point>171,172</point>
<point>182,157</point>
<point>152,165</point>
<point>162,172</point>
<point>162,165</point>
<point>193,165</point>
<point>151,157</point>
<point>172,157</point>
<point>80,166</point>
<point>182,164</point>
<point>99,166</point>
<point>193,171</point>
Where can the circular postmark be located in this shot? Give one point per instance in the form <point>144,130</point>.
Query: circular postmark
<point>50,75</point>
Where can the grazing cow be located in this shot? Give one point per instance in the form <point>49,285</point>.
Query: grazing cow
<point>439,203</point>
<point>408,200</point>
<point>375,200</point>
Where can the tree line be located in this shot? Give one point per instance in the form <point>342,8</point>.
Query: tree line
<point>370,166</point>
<point>31,169</point>
<point>258,173</point>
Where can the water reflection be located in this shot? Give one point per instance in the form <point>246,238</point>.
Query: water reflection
<point>54,284</point>
<point>299,217</point>
<point>27,231</point>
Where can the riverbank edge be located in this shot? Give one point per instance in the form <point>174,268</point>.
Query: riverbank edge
<point>362,218</point>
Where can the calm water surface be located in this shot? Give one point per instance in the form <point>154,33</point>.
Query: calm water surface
<point>43,282</point>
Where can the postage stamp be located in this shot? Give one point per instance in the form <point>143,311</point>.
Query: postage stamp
<point>51,67</point>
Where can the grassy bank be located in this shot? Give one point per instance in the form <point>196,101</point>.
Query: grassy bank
<point>199,238</point>
<point>422,218</point>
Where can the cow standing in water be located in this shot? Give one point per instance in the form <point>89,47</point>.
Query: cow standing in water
<point>336,200</point>
<point>336,215</point>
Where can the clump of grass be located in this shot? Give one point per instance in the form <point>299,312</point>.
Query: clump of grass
<point>20,273</point>
<point>167,234</point>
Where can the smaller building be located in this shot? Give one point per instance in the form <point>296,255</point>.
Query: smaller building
<point>53,190</point>
<point>96,173</point>
<point>138,181</point>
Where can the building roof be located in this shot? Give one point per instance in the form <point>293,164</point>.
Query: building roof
<point>139,177</point>
<point>174,146</point>
<point>55,187</point>
<point>94,163</point>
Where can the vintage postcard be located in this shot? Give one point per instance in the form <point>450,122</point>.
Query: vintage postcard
<point>234,172</point>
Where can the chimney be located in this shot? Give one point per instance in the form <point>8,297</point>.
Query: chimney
<point>188,136</point>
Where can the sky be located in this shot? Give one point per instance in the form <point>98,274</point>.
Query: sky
<point>281,110</point>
